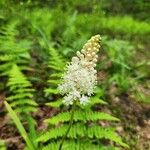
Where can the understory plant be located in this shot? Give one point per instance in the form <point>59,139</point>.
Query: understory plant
<point>77,124</point>
<point>13,50</point>
<point>20,101</point>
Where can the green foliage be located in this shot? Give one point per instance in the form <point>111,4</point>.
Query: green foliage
<point>2,145</point>
<point>117,25</point>
<point>79,130</point>
<point>78,145</point>
<point>141,94</point>
<point>52,57</point>
<point>81,115</point>
<point>40,36</point>
<point>21,92</point>
<point>119,54</point>
<point>12,49</point>
<point>40,23</point>
<point>21,101</point>
<point>125,25</point>
<point>20,127</point>
<point>56,63</point>
<point>84,127</point>
<point>135,8</point>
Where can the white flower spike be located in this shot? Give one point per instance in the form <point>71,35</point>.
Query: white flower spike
<point>80,79</point>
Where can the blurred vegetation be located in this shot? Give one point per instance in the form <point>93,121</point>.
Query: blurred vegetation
<point>37,38</point>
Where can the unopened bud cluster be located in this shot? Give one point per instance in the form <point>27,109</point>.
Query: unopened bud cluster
<point>80,78</point>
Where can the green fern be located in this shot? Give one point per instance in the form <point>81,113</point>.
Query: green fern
<point>77,145</point>
<point>84,127</point>
<point>90,131</point>
<point>81,115</point>
<point>56,63</point>
<point>12,50</point>
<point>85,119</point>
<point>21,92</point>
<point>79,129</point>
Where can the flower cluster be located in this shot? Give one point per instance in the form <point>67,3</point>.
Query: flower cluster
<point>80,78</point>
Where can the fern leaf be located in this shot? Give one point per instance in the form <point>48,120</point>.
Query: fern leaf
<point>54,81</point>
<point>107,133</point>
<point>79,130</point>
<point>50,91</point>
<point>56,63</point>
<point>25,109</point>
<point>12,50</point>
<point>21,92</point>
<point>19,96</point>
<point>76,145</point>
<point>23,102</point>
<point>81,115</point>
<point>55,104</point>
<point>60,131</point>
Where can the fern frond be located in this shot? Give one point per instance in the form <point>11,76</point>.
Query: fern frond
<point>21,92</point>
<point>23,102</point>
<point>50,91</point>
<point>56,63</point>
<point>79,130</point>
<point>19,96</point>
<point>52,81</point>
<point>12,50</point>
<point>57,75</point>
<point>60,131</point>
<point>95,100</point>
<point>77,145</point>
<point>6,57</point>
<point>55,104</point>
<point>107,133</point>
<point>25,109</point>
<point>81,115</point>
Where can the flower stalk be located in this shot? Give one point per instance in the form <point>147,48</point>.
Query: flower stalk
<point>69,127</point>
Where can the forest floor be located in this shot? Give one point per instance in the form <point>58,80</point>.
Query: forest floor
<point>134,125</point>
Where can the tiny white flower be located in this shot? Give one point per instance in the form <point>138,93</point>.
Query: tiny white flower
<point>68,99</point>
<point>84,100</point>
<point>75,94</point>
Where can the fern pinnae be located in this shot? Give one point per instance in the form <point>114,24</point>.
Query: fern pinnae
<point>77,145</point>
<point>56,63</point>
<point>79,129</point>
<point>81,115</point>
<point>13,50</point>
<point>21,92</point>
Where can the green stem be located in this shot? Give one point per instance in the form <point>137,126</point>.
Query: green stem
<point>70,124</point>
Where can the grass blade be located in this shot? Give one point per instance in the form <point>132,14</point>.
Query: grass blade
<point>19,125</point>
